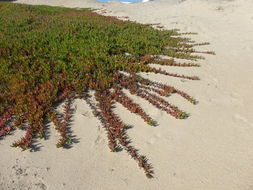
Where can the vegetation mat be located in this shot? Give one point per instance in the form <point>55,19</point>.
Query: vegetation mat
<point>52,55</point>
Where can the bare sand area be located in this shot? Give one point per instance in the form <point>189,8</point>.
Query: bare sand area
<point>210,150</point>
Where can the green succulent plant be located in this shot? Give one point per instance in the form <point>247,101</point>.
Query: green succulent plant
<point>50,55</point>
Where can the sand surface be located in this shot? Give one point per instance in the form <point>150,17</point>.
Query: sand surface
<point>211,150</point>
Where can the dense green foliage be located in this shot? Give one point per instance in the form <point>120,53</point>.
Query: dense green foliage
<point>52,54</point>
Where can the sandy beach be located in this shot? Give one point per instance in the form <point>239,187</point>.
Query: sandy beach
<point>210,150</point>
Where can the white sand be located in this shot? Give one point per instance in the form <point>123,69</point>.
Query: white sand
<point>211,150</point>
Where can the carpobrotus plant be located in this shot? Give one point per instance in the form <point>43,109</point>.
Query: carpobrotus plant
<point>50,55</point>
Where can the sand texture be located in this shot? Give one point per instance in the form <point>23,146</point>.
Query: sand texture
<point>211,150</point>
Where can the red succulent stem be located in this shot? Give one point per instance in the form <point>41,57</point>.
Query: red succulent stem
<point>158,91</point>
<point>155,100</point>
<point>5,131</point>
<point>62,124</point>
<point>151,100</point>
<point>128,103</point>
<point>6,117</point>
<point>118,130</point>
<point>191,45</point>
<point>105,116</point>
<point>167,88</point>
<point>64,129</point>
<point>159,71</point>
<point>175,111</point>
<point>172,62</point>
<point>26,141</point>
